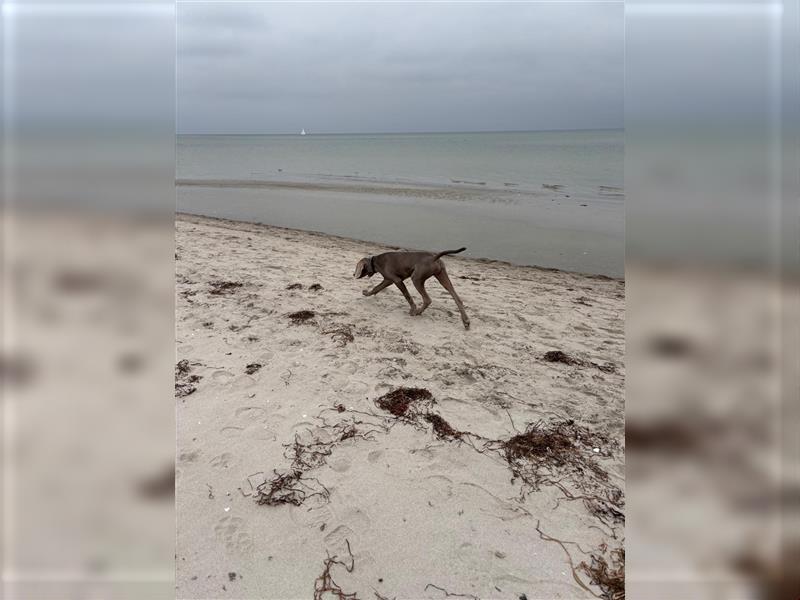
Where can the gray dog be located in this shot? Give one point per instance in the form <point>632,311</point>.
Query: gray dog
<point>397,266</point>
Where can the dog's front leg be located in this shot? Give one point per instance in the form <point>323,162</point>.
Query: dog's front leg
<point>381,286</point>
<point>404,289</point>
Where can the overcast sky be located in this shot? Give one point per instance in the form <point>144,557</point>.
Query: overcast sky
<point>328,68</point>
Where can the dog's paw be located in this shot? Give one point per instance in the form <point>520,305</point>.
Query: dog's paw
<point>365,292</point>
<point>413,312</point>
<point>466,324</point>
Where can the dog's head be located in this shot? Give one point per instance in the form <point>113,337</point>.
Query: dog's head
<point>363,269</point>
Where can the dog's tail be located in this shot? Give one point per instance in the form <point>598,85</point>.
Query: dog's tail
<point>441,254</point>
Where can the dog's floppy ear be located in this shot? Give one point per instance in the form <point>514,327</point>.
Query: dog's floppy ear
<point>362,264</point>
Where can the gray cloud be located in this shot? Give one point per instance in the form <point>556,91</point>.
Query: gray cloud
<point>276,68</point>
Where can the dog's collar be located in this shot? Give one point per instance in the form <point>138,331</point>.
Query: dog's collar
<point>371,265</point>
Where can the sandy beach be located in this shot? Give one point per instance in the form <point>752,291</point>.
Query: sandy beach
<point>333,446</point>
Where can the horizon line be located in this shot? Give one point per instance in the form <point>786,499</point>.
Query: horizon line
<point>411,132</point>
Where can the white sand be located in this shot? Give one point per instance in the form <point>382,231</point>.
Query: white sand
<point>415,510</point>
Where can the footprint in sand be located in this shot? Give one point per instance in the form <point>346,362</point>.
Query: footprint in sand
<point>367,566</point>
<point>348,367</point>
<point>229,529</point>
<point>308,433</point>
<point>336,381</point>
<point>467,552</point>
<point>311,518</point>
<point>231,431</point>
<point>336,540</point>
<point>244,382</point>
<point>440,488</point>
<point>374,456</point>
<point>355,518</point>
<point>340,465</point>
<point>250,413</point>
<point>260,430</point>
<point>222,376</point>
<point>222,461</point>
<point>424,454</point>
<point>356,388</point>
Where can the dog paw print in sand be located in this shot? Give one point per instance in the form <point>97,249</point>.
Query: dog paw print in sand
<point>230,530</point>
<point>222,377</point>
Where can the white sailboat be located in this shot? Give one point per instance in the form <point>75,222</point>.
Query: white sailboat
<point>302,132</point>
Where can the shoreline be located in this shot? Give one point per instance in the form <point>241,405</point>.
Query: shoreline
<point>389,248</point>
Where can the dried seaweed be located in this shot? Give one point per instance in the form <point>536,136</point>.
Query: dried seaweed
<point>609,577</point>
<point>562,357</point>
<point>557,356</point>
<point>184,381</point>
<point>400,400</point>
<point>341,334</point>
<point>535,444</point>
<point>252,368</point>
<point>219,288</point>
<point>288,488</point>
<point>451,594</point>
<point>301,316</point>
<point>325,586</point>
<point>293,486</point>
<point>442,428</point>
<point>182,368</point>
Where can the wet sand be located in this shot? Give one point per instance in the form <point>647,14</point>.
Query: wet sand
<point>554,228</point>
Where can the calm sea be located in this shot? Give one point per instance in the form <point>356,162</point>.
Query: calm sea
<point>552,199</point>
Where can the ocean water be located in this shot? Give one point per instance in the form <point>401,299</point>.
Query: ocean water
<point>552,199</point>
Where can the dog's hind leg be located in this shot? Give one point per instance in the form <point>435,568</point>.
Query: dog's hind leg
<point>381,286</point>
<point>426,300</point>
<point>445,281</point>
